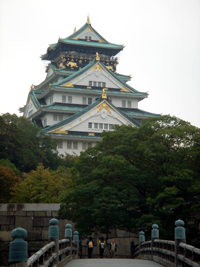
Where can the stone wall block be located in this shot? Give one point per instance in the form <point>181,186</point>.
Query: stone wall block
<point>113,233</point>
<point>40,213</point>
<point>7,220</point>
<point>3,213</point>
<point>41,221</point>
<point>54,214</point>
<point>122,233</point>
<point>38,221</point>
<point>35,234</point>
<point>5,236</point>
<point>30,214</point>
<point>48,213</point>
<point>20,213</point>
<point>45,233</point>
<point>24,222</point>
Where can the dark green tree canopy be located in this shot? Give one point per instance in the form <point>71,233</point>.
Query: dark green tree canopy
<point>136,177</point>
<point>24,146</point>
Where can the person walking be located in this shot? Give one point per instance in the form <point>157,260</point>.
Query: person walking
<point>113,248</point>
<point>90,244</point>
<point>102,245</point>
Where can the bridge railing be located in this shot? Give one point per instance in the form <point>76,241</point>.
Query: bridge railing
<point>56,252</point>
<point>168,252</point>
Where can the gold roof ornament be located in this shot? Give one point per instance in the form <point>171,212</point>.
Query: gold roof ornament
<point>97,56</point>
<point>104,93</point>
<point>88,20</point>
<point>75,29</point>
<point>32,87</point>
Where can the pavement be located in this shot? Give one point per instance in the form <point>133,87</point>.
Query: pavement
<point>111,263</point>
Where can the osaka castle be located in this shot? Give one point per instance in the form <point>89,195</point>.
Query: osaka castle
<point>83,94</point>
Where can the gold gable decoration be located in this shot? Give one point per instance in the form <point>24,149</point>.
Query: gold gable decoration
<point>104,106</point>
<point>70,84</point>
<point>60,131</point>
<point>97,67</point>
<point>123,89</point>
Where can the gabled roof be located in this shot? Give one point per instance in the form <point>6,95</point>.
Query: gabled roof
<point>73,40</point>
<point>83,111</point>
<point>92,64</point>
<point>82,29</point>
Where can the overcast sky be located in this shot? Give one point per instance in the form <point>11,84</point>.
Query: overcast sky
<point>161,38</point>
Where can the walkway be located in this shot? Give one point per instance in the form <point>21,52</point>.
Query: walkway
<point>112,263</point>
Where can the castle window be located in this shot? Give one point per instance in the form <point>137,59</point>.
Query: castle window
<point>51,99</point>
<point>89,125</point>
<point>60,117</point>
<point>105,126</point>
<point>90,37</point>
<point>84,146</point>
<point>96,125</point>
<point>75,145</point>
<point>94,83</point>
<point>84,100</point>
<point>89,144</point>
<point>100,125</point>
<point>103,84</point>
<point>99,84</point>
<point>89,101</point>
<point>110,126</point>
<point>128,104</point>
<point>54,117</point>
<point>45,122</point>
<point>90,83</point>
<point>63,98</point>
<point>123,103</point>
<point>69,99</point>
<point>60,144</point>
<point>69,144</point>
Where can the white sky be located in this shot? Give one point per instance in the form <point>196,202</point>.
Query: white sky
<point>161,38</point>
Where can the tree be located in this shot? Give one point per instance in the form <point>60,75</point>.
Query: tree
<point>147,175</point>
<point>8,179</point>
<point>42,186</point>
<point>25,145</point>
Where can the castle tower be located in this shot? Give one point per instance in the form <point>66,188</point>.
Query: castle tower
<point>83,94</point>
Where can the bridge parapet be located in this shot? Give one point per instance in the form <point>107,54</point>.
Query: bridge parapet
<point>169,253</point>
<point>56,252</point>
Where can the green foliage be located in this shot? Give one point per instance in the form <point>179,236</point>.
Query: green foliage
<point>42,186</point>
<point>24,146</point>
<point>8,179</point>
<point>6,162</point>
<point>136,177</point>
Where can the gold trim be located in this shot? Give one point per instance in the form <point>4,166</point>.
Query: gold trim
<point>75,38</point>
<point>60,131</point>
<point>104,106</point>
<point>88,20</point>
<point>75,29</point>
<point>89,87</point>
<point>97,56</point>
<point>70,84</point>
<point>104,96</point>
<point>91,134</point>
<point>88,29</point>
<point>89,114</point>
<point>70,125</point>
<point>31,88</point>
<point>100,41</point>
<point>97,66</point>
<point>123,89</point>
<point>109,67</point>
